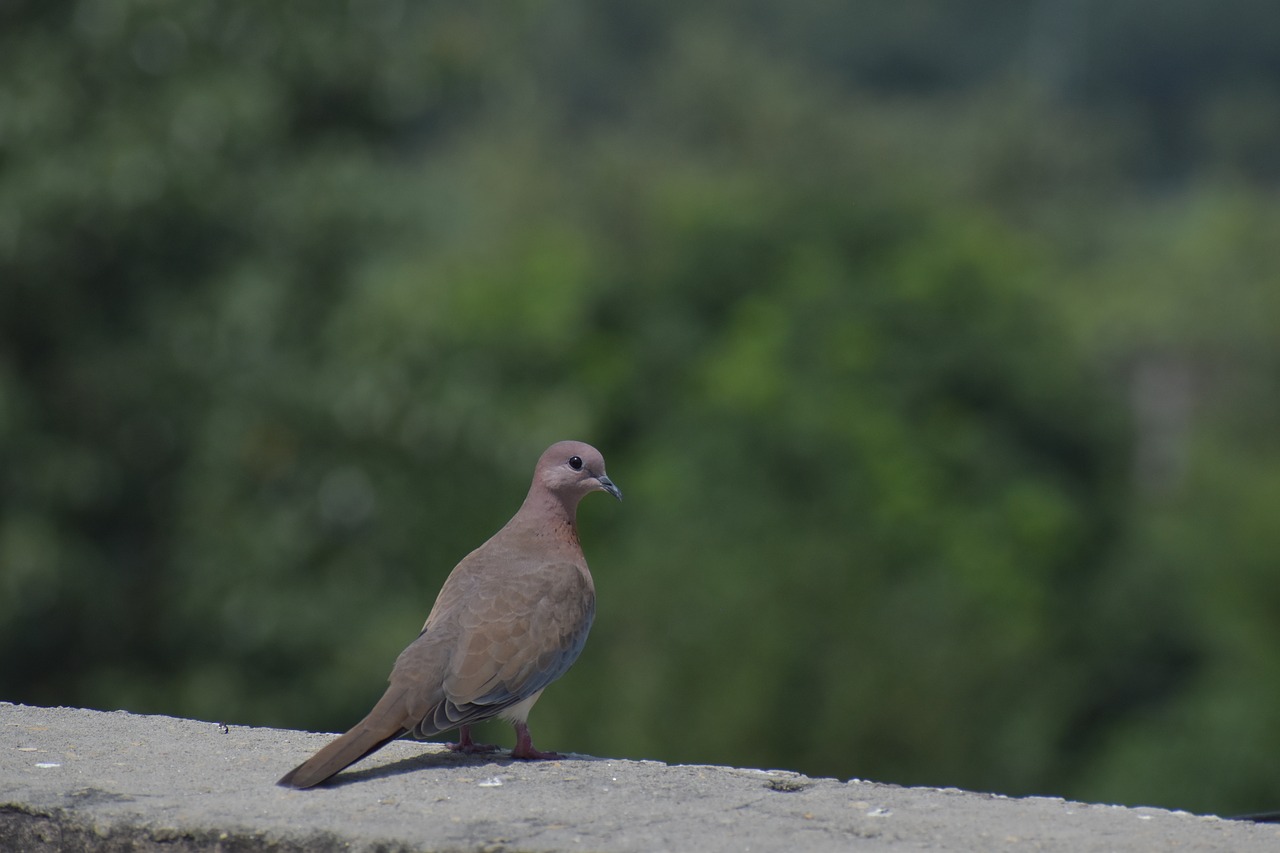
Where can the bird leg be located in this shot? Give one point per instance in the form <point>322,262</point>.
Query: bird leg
<point>467,746</point>
<point>524,746</point>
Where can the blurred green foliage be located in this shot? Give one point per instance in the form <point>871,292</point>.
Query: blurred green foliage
<point>934,345</point>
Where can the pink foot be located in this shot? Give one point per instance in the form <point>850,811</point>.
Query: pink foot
<point>524,746</point>
<point>467,746</point>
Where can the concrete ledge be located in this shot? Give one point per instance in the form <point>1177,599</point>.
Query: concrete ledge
<point>73,779</point>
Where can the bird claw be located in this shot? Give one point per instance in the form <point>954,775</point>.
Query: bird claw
<point>471,748</point>
<point>467,746</point>
<point>525,750</point>
<point>532,754</point>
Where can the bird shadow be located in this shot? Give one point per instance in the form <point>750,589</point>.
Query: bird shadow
<point>435,760</point>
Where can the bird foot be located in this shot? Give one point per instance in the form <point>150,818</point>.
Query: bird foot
<point>467,746</point>
<point>472,748</point>
<point>531,754</point>
<point>524,746</point>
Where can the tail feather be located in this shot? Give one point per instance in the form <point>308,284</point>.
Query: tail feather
<point>365,738</point>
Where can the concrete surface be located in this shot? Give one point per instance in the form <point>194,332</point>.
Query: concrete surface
<point>72,779</point>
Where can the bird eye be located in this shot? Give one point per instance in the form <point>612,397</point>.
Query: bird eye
<point>575,462</point>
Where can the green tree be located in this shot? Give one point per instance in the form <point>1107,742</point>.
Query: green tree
<point>937,373</point>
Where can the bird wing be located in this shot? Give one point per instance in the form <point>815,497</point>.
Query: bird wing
<point>516,632</point>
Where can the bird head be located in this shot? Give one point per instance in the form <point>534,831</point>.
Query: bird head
<point>572,469</point>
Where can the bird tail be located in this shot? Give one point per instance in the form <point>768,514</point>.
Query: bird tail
<point>367,736</point>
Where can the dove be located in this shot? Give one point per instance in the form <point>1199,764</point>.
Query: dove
<point>511,618</point>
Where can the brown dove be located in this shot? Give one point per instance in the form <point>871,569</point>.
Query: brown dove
<point>510,619</point>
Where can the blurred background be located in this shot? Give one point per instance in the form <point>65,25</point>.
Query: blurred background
<point>934,344</point>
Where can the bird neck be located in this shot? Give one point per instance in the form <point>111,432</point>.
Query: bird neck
<point>557,520</point>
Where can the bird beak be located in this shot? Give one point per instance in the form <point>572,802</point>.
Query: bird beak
<point>608,486</point>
